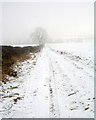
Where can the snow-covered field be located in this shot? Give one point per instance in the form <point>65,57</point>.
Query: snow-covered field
<point>58,82</point>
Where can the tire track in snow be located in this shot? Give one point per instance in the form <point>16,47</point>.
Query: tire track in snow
<point>63,87</point>
<point>60,82</point>
<point>54,105</point>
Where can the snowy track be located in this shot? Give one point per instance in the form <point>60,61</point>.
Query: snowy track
<point>60,85</point>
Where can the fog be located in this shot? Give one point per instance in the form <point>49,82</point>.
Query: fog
<point>64,22</point>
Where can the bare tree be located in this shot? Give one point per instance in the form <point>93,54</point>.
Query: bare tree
<point>39,36</point>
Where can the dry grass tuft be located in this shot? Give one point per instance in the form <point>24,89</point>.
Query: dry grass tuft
<point>11,55</point>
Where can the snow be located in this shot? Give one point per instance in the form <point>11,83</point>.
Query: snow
<point>57,83</point>
<point>25,45</point>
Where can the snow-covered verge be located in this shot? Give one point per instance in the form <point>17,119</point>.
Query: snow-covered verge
<point>11,92</point>
<point>57,83</point>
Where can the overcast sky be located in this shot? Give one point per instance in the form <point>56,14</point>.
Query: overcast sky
<point>61,20</point>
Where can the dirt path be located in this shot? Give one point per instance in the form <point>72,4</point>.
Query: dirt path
<point>58,86</point>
